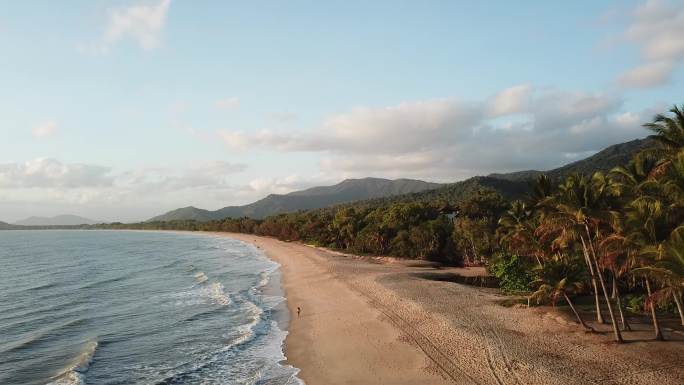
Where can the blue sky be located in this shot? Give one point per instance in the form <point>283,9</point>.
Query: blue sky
<point>119,110</point>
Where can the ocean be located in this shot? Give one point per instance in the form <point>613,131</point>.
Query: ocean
<point>127,307</point>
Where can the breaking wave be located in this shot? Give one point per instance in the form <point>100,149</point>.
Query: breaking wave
<point>75,373</point>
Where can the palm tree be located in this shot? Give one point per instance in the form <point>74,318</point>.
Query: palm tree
<point>629,181</point>
<point>584,204</point>
<point>560,277</point>
<point>540,190</point>
<point>647,225</point>
<point>516,230</point>
<point>669,130</point>
<point>615,251</point>
<point>668,267</point>
<point>672,187</point>
<point>561,225</point>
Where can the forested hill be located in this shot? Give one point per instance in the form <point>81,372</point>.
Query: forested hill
<point>604,160</point>
<point>316,197</point>
<point>516,184</point>
<point>453,193</point>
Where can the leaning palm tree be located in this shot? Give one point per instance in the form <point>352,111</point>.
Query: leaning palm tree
<point>616,256</point>
<point>564,224</point>
<point>560,277</point>
<point>584,204</point>
<point>647,227</point>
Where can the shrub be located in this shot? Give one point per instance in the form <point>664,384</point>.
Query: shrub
<point>512,272</point>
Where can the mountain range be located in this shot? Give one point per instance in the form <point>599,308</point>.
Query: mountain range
<point>515,185</point>
<point>348,190</point>
<point>59,220</point>
<point>510,185</point>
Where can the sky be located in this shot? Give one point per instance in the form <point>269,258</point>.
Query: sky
<point>122,110</point>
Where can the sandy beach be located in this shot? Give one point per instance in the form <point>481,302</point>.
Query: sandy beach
<point>367,321</point>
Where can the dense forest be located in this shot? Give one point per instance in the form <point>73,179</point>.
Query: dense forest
<point>617,236</point>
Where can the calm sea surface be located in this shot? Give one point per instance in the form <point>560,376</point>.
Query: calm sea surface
<point>117,307</point>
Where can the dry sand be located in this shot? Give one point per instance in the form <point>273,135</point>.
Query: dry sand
<point>366,321</point>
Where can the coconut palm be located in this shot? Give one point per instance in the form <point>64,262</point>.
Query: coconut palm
<point>668,267</point>
<point>647,227</point>
<point>629,181</point>
<point>672,188</point>
<point>616,257</point>
<point>560,277</point>
<point>669,130</point>
<point>583,207</point>
<point>516,229</point>
<point>540,190</point>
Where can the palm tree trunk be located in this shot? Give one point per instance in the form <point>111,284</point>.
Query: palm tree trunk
<point>625,324</point>
<point>579,318</point>
<point>613,295</point>
<point>472,244</point>
<point>616,329</point>
<point>656,325</point>
<point>538,260</point>
<point>594,284</point>
<point>678,300</point>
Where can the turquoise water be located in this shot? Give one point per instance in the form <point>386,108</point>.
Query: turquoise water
<point>118,307</point>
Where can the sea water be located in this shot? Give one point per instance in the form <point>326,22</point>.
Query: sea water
<point>126,307</point>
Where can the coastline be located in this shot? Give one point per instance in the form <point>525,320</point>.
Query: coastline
<point>365,321</point>
<point>338,338</point>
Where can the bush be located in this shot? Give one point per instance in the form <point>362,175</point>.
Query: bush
<point>512,272</point>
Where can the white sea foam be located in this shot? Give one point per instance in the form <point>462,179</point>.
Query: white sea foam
<point>201,293</point>
<point>201,277</point>
<point>218,295</point>
<point>74,374</point>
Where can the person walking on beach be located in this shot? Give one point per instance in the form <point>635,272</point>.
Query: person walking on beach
<point>299,310</point>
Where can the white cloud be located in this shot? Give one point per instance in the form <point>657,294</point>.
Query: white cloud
<point>51,173</point>
<point>447,139</point>
<point>44,130</point>
<point>628,119</point>
<point>405,127</point>
<point>48,186</point>
<point>657,28</point>
<point>511,100</point>
<point>650,74</point>
<point>143,23</point>
<point>206,175</point>
<point>231,103</point>
<point>235,140</point>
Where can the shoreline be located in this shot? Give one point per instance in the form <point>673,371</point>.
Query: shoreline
<point>368,322</point>
<point>339,338</point>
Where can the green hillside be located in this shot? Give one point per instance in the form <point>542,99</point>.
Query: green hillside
<point>316,197</point>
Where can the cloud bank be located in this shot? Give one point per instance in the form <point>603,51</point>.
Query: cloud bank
<point>448,139</point>
<point>129,194</point>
